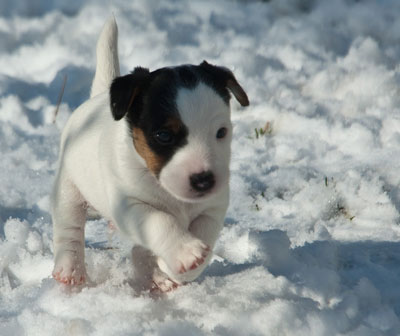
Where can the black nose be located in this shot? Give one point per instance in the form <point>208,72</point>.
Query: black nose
<point>203,181</point>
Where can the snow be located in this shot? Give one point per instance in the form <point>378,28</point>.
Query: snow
<point>311,244</point>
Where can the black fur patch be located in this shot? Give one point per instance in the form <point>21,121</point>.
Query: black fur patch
<point>154,110</point>
<point>125,89</point>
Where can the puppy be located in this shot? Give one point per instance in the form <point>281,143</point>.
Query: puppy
<point>149,152</point>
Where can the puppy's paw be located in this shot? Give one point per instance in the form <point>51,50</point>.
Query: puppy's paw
<point>69,270</point>
<point>188,256</point>
<point>162,283</point>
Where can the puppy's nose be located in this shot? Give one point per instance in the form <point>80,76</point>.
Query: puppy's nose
<point>202,181</point>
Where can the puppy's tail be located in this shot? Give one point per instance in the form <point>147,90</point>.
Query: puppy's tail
<point>107,67</point>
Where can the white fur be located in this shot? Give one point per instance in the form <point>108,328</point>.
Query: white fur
<point>107,62</point>
<point>100,168</point>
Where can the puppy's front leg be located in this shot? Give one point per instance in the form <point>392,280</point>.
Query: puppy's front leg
<point>163,234</point>
<point>205,227</point>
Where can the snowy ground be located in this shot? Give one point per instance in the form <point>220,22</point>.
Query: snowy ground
<point>311,244</point>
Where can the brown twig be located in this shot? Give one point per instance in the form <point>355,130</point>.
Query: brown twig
<point>60,96</point>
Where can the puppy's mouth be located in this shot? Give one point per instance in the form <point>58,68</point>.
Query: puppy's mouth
<point>202,195</point>
<point>193,196</point>
<point>194,187</point>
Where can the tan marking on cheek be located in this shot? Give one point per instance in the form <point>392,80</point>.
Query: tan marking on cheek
<point>153,161</point>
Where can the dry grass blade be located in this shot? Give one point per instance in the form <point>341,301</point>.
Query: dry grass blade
<point>60,96</point>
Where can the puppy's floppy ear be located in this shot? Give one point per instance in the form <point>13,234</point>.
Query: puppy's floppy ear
<point>226,77</point>
<point>124,90</point>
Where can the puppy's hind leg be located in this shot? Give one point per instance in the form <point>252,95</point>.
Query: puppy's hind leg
<point>69,217</point>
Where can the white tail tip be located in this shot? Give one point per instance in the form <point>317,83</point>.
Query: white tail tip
<point>107,67</point>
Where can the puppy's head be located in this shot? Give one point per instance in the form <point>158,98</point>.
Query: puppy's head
<point>179,119</point>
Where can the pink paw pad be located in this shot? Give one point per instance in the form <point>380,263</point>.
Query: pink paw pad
<point>165,286</point>
<point>70,276</point>
<point>191,256</point>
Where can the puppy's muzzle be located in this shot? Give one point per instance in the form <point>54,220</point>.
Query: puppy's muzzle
<point>202,182</point>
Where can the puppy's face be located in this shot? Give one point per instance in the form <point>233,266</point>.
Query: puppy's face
<point>179,119</point>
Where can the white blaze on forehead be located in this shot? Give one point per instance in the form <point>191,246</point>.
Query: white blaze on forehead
<point>201,108</point>
<point>203,112</point>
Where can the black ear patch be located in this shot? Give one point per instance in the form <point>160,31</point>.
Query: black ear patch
<point>228,80</point>
<point>124,90</point>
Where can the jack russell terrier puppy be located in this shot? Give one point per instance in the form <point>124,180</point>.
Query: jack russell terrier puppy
<point>149,152</point>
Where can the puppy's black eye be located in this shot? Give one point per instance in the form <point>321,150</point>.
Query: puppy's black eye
<point>222,132</point>
<point>164,137</point>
